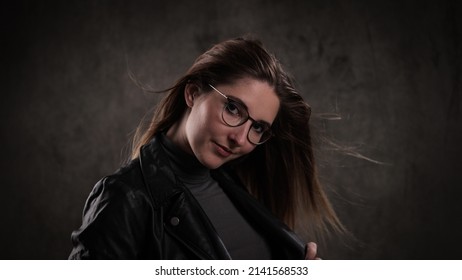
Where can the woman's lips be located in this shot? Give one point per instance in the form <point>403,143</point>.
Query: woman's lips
<point>222,150</point>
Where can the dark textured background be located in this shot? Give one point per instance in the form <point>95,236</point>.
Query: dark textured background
<point>391,69</point>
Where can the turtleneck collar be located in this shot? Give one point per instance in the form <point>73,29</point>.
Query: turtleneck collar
<point>188,169</point>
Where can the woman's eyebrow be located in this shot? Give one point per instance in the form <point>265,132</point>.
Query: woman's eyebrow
<point>238,100</point>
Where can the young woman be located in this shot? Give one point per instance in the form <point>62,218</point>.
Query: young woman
<point>224,170</point>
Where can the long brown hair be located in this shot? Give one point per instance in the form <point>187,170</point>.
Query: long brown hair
<point>281,172</point>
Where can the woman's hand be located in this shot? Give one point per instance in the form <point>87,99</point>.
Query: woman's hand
<point>311,250</point>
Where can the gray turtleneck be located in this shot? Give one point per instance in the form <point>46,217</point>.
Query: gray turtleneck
<point>239,237</point>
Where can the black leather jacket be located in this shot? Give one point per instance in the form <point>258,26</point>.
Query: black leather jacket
<point>143,212</point>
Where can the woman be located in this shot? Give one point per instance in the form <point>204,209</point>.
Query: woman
<point>224,170</point>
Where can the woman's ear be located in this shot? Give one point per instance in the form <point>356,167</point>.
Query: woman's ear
<point>190,92</point>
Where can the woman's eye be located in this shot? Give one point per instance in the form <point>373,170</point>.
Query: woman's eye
<point>233,109</point>
<point>258,127</point>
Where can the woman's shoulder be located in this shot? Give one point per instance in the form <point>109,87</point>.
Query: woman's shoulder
<point>140,179</point>
<point>128,174</point>
<point>125,183</point>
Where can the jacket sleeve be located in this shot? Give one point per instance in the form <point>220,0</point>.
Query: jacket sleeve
<point>114,223</point>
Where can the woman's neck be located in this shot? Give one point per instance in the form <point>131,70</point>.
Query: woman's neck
<point>186,166</point>
<point>177,134</point>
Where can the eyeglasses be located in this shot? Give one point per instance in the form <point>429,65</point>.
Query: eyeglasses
<point>235,114</point>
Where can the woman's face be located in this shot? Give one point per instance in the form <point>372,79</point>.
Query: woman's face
<point>207,136</point>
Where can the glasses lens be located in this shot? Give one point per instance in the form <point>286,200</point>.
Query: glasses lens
<point>234,114</point>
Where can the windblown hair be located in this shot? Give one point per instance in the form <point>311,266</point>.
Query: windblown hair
<point>281,173</point>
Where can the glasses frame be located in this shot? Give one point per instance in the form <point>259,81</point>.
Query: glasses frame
<point>269,131</point>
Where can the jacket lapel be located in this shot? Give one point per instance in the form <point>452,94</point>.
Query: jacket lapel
<point>285,243</point>
<point>186,221</point>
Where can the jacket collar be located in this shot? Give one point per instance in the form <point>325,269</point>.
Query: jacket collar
<point>157,173</point>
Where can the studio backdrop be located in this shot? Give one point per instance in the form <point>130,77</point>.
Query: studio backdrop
<point>383,79</point>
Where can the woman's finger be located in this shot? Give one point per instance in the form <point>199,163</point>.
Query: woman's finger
<point>311,251</point>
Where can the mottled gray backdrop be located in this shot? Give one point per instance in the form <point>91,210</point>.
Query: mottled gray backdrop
<point>392,71</point>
